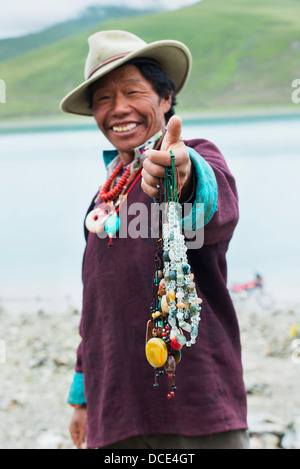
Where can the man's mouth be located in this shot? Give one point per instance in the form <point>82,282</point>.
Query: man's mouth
<point>124,128</point>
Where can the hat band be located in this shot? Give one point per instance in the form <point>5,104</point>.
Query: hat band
<point>105,62</point>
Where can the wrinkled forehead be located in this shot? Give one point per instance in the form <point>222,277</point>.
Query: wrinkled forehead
<point>126,74</point>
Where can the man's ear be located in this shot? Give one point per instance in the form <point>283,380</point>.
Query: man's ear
<point>167,103</point>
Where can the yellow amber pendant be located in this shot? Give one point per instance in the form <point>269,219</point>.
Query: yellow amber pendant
<point>156,352</point>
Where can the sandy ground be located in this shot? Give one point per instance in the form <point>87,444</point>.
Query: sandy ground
<point>69,120</point>
<point>40,352</point>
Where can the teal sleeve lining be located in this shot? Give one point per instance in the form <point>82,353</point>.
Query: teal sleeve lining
<point>205,203</point>
<point>76,394</point>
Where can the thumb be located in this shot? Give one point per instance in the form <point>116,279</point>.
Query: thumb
<point>173,134</point>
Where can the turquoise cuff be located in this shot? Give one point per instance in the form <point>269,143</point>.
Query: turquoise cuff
<point>206,193</point>
<point>76,394</point>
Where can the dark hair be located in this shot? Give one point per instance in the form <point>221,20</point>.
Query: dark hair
<point>162,84</point>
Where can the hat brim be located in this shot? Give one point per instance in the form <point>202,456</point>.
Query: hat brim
<point>173,56</point>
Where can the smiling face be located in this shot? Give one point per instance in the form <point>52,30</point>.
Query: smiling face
<point>127,109</point>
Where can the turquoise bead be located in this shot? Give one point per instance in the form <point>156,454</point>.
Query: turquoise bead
<point>186,269</point>
<point>112,224</point>
<point>173,275</point>
<point>166,257</point>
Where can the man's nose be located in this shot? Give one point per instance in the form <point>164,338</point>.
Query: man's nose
<point>121,104</point>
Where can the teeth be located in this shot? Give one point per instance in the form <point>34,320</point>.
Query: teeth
<point>125,128</point>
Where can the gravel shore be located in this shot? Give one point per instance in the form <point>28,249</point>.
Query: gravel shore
<point>40,351</point>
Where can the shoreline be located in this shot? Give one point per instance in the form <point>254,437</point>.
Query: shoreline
<point>70,122</point>
<point>285,297</point>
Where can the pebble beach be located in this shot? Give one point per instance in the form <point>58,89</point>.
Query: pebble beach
<point>38,366</point>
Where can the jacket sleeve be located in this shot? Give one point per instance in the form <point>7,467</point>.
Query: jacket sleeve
<point>222,215</point>
<point>76,393</point>
<point>203,200</point>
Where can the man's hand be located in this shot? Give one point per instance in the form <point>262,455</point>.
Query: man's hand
<point>155,162</point>
<point>78,428</point>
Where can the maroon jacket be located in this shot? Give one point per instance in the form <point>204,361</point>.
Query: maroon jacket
<point>121,401</point>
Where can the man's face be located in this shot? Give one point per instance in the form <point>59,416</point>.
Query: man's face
<point>127,109</point>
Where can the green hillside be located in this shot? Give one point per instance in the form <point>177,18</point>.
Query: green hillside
<point>246,55</point>
<point>90,17</point>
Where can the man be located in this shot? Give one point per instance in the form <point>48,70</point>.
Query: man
<point>130,88</point>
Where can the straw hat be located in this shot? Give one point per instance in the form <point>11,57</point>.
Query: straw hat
<point>110,49</point>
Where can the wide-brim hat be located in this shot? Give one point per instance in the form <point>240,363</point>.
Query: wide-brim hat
<point>111,49</point>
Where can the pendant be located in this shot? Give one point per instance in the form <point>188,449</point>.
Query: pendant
<point>112,226</point>
<point>95,220</point>
<point>156,352</point>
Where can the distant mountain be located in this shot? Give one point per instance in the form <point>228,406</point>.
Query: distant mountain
<point>245,56</point>
<point>90,17</point>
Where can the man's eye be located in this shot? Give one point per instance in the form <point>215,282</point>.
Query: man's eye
<point>101,99</point>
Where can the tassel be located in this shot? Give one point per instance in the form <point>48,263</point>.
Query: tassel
<point>172,386</point>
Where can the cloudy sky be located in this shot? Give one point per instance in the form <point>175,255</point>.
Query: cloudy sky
<point>18,17</point>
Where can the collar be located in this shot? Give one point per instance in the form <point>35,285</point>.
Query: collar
<point>112,159</point>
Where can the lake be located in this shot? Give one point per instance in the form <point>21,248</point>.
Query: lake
<point>48,179</point>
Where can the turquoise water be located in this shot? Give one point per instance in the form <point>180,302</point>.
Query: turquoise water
<point>49,177</point>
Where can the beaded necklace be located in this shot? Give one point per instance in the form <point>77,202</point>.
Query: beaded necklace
<point>112,224</point>
<point>115,191</point>
<point>105,218</point>
<point>108,195</point>
<point>175,308</point>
